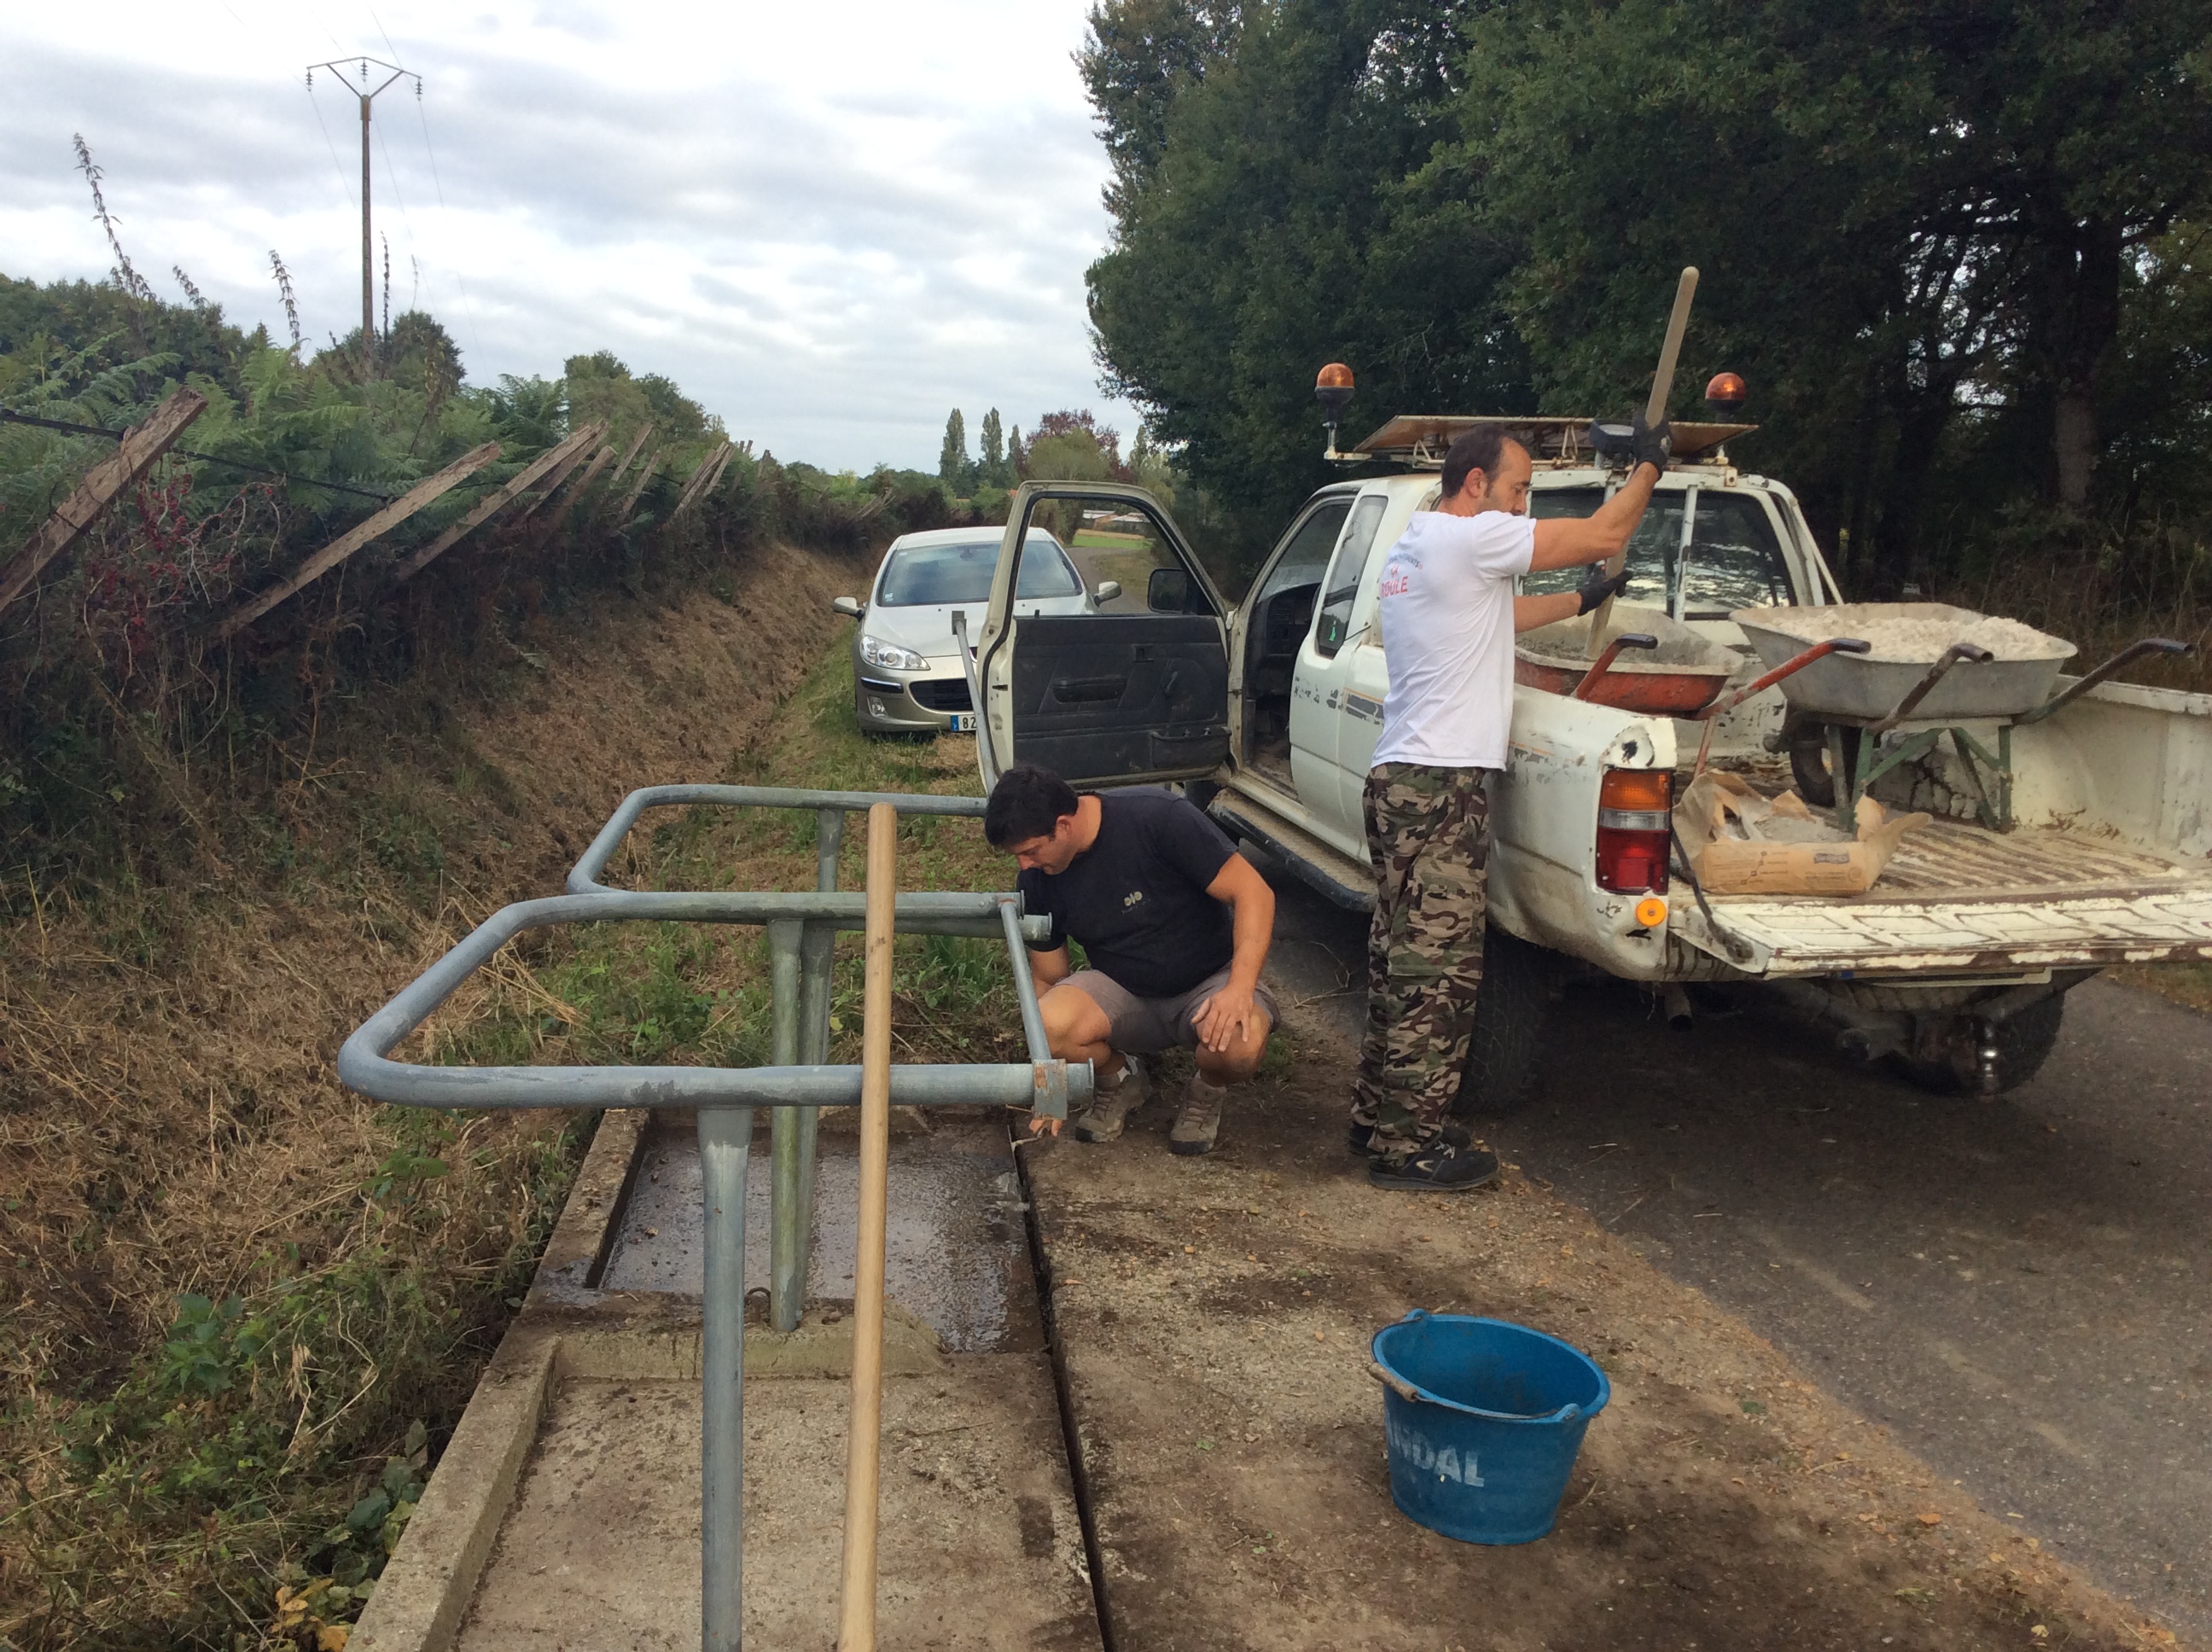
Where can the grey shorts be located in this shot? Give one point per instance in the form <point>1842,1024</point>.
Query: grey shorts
<point>1144,1025</point>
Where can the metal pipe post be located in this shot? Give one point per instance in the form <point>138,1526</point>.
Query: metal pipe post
<point>795,1164</point>
<point>725,1135</point>
<point>786,1245</point>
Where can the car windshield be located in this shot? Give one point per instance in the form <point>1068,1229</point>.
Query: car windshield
<point>960,570</point>
<point>1733,560</point>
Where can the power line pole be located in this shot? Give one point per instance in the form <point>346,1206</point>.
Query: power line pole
<point>354,73</point>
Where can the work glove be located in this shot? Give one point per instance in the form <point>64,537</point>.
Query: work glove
<point>1598,587</point>
<point>1652,445</point>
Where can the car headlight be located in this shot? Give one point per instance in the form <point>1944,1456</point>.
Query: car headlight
<point>876,652</point>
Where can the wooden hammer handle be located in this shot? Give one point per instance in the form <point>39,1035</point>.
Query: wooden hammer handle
<point>857,1626</point>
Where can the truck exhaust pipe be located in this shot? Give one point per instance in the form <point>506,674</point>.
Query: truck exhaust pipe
<point>1680,1016</point>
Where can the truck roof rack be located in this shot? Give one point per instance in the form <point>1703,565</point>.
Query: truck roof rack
<point>1420,438</point>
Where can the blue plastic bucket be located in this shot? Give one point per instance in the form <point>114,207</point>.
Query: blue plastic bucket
<point>1484,1419</point>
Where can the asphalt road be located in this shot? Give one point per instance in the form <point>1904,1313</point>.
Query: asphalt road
<point>2020,1289</point>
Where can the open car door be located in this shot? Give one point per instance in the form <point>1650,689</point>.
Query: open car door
<point>1132,688</point>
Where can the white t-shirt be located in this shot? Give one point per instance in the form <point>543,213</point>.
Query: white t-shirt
<point>1447,612</point>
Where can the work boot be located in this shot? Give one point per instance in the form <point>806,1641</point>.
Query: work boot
<point>1199,1121</point>
<point>1436,1166</point>
<point>1361,1140</point>
<point>1111,1104</point>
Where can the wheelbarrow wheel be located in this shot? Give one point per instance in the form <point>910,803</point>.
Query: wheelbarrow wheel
<point>1808,762</point>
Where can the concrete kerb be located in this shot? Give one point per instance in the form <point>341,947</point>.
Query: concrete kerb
<point>570,1330</point>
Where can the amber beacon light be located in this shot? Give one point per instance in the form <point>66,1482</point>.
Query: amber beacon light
<point>1333,389</point>
<point>1725,393</point>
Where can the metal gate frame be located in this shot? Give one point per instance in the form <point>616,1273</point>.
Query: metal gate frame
<point>797,1083</point>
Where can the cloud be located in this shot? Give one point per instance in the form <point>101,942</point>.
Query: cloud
<point>829,224</point>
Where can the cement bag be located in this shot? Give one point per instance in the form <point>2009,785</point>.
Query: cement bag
<point>1742,843</point>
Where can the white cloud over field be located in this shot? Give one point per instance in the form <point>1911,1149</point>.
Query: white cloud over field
<point>830,223</point>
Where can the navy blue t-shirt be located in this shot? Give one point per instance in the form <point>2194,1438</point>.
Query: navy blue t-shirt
<point>1136,898</point>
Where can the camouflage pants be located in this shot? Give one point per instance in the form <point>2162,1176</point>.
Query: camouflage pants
<point>1428,834</point>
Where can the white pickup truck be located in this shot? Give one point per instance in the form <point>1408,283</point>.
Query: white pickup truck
<point>1954,964</point>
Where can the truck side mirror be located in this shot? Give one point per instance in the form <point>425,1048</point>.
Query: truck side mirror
<point>849,606</point>
<point>1167,592</point>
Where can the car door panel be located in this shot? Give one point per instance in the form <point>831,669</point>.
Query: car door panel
<point>1136,691</point>
<point>1114,693</point>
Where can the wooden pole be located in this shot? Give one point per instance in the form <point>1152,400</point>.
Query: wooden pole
<point>1662,385</point>
<point>141,446</point>
<point>857,1628</point>
<point>645,473</point>
<point>497,502</point>
<point>630,452</point>
<point>353,538</point>
<point>552,525</point>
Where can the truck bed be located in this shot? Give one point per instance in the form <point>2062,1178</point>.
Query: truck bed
<point>1958,898</point>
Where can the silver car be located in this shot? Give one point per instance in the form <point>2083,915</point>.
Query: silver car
<point>908,675</point>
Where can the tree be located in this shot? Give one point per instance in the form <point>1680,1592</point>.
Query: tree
<point>993,456</point>
<point>952,460</point>
<point>1263,227</point>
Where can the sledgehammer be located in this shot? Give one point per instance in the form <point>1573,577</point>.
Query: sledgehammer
<point>1662,385</point>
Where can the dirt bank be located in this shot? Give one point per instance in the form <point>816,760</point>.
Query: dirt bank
<point>173,1130</point>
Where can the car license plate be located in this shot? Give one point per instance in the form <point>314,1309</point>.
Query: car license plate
<point>964,722</point>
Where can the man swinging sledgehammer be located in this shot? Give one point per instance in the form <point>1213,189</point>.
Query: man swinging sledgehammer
<point>1175,924</point>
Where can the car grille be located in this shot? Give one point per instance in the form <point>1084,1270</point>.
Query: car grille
<point>940,694</point>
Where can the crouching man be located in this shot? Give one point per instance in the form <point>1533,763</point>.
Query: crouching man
<point>1174,924</point>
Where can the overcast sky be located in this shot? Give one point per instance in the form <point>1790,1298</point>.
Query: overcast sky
<point>830,223</point>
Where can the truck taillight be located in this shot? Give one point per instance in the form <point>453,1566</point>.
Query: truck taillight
<point>1632,805</point>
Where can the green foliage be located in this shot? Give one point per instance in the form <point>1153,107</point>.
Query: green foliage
<point>1949,246</point>
<point>953,466</point>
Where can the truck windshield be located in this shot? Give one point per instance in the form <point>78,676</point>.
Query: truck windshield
<point>920,575</point>
<point>1733,562</point>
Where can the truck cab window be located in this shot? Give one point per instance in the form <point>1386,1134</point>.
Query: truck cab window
<point>1348,573</point>
<point>1734,560</point>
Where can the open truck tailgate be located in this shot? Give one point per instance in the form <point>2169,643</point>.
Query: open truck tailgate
<point>1957,897</point>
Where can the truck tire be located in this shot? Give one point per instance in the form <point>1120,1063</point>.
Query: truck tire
<point>1518,978</point>
<point>2024,1043</point>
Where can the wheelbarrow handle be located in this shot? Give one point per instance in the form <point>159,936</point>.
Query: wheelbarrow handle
<point>1788,667</point>
<point>1603,663</point>
<point>1926,686</point>
<point>2118,662</point>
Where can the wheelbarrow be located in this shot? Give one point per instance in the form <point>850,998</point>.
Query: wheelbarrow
<point>1687,671</point>
<point>1856,758</point>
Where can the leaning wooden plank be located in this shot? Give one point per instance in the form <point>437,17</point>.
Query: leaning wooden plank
<point>141,446</point>
<point>700,479</point>
<point>645,474</point>
<point>552,523</point>
<point>353,538</point>
<point>559,474</point>
<point>492,504</point>
<point>630,453</point>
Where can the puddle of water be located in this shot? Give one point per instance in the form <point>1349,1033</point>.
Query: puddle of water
<point>956,1253</point>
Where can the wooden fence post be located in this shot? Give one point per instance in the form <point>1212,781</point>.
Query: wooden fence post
<point>645,474</point>
<point>492,506</point>
<point>141,446</point>
<point>351,541</point>
<point>552,525</point>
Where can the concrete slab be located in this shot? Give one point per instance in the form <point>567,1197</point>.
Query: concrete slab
<point>956,1252</point>
<point>981,1544</point>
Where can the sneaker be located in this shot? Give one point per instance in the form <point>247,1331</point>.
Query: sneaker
<point>1437,1166</point>
<point>1198,1120</point>
<point>1361,1140</point>
<point>1111,1105</point>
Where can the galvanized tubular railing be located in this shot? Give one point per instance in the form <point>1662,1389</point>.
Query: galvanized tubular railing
<point>802,929</point>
